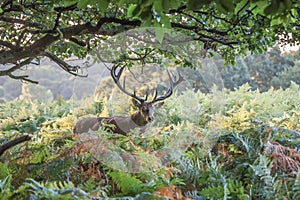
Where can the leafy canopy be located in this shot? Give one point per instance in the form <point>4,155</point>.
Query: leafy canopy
<point>58,29</point>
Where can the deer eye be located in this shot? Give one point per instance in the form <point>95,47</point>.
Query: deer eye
<point>145,109</point>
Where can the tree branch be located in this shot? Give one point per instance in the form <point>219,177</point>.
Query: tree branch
<point>80,43</point>
<point>40,45</point>
<point>68,8</point>
<point>203,36</point>
<point>213,39</point>
<point>118,21</point>
<point>57,21</point>
<point>20,21</point>
<point>13,143</point>
<point>222,33</point>
<point>23,77</point>
<point>65,66</point>
<point>8,45</point>
<point>9,71</point>
<point>214,16</point>
<point>6,3</point>
<point>16,67</point>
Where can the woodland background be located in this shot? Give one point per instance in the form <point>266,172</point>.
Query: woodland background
<point>271,69</point>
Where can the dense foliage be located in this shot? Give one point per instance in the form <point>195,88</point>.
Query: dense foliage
<point>58,29</point>
<point>243,147</point>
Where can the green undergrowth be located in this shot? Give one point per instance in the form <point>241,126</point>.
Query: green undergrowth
<point>238,144</point>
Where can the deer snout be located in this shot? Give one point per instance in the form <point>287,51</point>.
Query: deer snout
<point>150,118</point>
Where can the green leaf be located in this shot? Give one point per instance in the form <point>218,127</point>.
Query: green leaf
<point>157,6</point>
<point>128,183</point>
<point>258,7</point>
<point>241,6</point>
<point>225,6</point>
<point>134,10</point>
<point>137,11</point>
<point>160,33</point>
<point>146,13</point>
<point>67,3</point>
<point>147,3</point>
<point>147,21</point>
<point>120,3</point>
<point>174,4</point>
<point>168,5</point>
<point>165,21</point>
<point>196,4</point>
<point>102,5</point>
<point>272,9</point>
<point>276,21</point>
<point>4,171</point>
<point>82,4</point>
<point>287,4</point>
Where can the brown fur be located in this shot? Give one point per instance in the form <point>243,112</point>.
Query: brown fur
<point>121,125</point>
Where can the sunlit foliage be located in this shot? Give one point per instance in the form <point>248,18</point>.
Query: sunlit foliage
<point>246,149</point>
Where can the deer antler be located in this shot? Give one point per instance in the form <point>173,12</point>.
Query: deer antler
<point>116,77</point>
<point>173,84</point>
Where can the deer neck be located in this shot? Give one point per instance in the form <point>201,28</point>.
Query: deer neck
<point>138,119</point>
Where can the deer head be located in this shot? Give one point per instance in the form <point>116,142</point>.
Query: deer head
<point>146,108</point>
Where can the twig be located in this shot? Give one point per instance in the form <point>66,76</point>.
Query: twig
<point>57,21</point>
<point>65,66</point>
<point>79,42</point>
<point>15,67</point>
<point>24,78</point>
<point>20,21</point>
<point>8,45</point>
<point>13,143</point>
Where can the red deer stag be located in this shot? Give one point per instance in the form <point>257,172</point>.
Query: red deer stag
<point>123,125</point>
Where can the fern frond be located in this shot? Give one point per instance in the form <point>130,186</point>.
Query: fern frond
<point>296,187</point>
<point>92,187</point>
<point>263,171</point>
<point>191,169</point>
<point>284,159</point>
<point>213,192</point>
<point>236,190</point>
<point>5,185</point>
<point>128,183</point>
<point>216,181</point>
<point>54,190</point>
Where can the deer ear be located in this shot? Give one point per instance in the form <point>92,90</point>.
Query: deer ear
<point>136,103</point>
<point>157,106</point>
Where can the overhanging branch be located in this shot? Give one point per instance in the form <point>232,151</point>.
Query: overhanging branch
<point>23,77</point>
<point>9,72</point>
<point>65,66</point>
<point>20,21</point>
<point>16,67</point>
<point>8,45</point>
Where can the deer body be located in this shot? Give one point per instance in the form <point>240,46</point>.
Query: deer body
<point>123,125</point>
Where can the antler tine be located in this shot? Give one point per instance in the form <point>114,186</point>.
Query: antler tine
<point>147,93</point>
<point>170,78</point>
<point>155,95</point>
<point>173,84</point>
<point>180,79</point>
<point>116,77</point>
